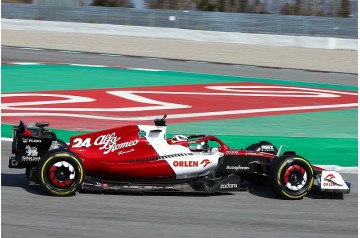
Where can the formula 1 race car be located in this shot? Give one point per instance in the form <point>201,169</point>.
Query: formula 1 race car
<point>137,158</point>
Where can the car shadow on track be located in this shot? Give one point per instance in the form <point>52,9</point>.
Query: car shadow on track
<point>167,194</point>
<point>262,191</point>
<point>20,181</point>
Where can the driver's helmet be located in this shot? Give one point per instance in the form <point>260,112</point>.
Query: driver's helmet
<point>178,138</point>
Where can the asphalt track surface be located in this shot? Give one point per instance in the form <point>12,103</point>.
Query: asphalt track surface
<point>28,212</point>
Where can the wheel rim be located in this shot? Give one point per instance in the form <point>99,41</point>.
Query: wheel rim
<point>295,178</point>
<point>62,174</point>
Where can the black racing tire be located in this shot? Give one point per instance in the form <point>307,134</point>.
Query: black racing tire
<point>61,172</point>
<point>291,177</point>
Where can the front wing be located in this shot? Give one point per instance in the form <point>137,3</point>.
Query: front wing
<point>332,182</point>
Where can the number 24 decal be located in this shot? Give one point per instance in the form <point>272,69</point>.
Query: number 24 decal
<point>80,143</point>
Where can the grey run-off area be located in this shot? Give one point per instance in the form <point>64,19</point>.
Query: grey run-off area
<point>232,53</point>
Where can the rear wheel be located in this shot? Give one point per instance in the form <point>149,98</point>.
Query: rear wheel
<point>291,177</point>
<point>61,172</point>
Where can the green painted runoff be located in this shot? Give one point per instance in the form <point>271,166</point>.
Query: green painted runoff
<point>28,78</point>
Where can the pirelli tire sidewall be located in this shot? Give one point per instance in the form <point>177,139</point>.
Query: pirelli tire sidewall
<point>278,170</point>
<point>62,156</point>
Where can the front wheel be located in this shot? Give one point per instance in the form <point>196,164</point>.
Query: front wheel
<point>61,172</point>
<point>291,177</point>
